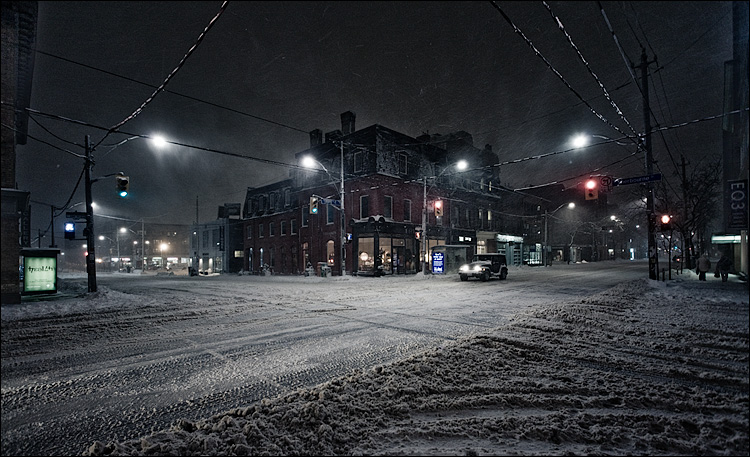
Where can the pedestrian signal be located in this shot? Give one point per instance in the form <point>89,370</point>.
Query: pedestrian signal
<point>70,230</point>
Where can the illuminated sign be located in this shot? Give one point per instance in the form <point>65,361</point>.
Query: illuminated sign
<point>438,265</point>
<point>40,274</point>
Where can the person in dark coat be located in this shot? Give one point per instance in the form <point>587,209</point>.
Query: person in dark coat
<point>723,267</point>
<point>704,265</point>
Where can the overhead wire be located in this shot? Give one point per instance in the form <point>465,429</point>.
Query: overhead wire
<point>179,94</point>
<point>561,27</point>
<point>555,71</point>
<point>159,89</point>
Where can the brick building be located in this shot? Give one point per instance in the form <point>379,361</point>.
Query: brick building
<point>390,179</point>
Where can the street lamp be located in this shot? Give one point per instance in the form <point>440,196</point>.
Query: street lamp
<point>545,253</point>
<point>310,162</point>
<point>461,165</point>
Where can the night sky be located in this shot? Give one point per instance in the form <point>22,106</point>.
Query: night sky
<point>267,73</point>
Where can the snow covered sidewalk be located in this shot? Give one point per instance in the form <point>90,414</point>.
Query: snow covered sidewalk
<point>645,368</point>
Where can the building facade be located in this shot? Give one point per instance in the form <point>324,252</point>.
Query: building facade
<point>217,246</point>
<point>391,182</point>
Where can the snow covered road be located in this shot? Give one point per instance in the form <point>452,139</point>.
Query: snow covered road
<point>143,353</point>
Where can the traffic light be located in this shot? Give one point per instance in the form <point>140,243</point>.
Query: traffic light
<point>123,184</point>
<point>592,190</point>
<point>313,205</point>
<point>666,223</point>
<point>438,208</point>
<point>70,230</point>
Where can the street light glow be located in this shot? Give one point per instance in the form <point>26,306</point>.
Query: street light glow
<point>159,141</point>
<point>580,141</point>
<point>462,165</point>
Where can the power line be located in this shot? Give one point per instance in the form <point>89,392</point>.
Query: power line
<point>169,77</point>
<point>588,67</point>
<point>554,70</point>
<point>189,97</point>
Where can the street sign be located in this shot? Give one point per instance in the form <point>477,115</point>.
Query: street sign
<point>75,215</point>
<point>329,201</point>
<point>638,179</point>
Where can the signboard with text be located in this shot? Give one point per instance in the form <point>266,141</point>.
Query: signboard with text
<point>438,262</point>
<point>40,274</point>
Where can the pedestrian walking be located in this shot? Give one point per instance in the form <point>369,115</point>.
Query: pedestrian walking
<point>722,267</point>
<point>704,265</point>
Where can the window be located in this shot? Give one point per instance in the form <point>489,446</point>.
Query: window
<point>403,164</point>
<point>272,205</point>
<point>330,253</point>
<point>282,225</point>
<point>293,227</point>
<point>249,231</point>
<point>262,203</point>
<point>330,213</point>
<point>287,197</point>
<point>357,161</point>
<point>364,207</point>
<point>271,227</point>
<point>388,207</point>
<point>260,230</point>
<point>205,239</point>
<point>305,215</point>
<point>407,210</point>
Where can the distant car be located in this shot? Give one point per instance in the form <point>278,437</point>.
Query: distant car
<point>484,267</point>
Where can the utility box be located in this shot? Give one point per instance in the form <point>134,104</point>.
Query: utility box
<point>324,270</point>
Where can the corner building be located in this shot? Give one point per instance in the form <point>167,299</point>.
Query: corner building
<point>390,179</point>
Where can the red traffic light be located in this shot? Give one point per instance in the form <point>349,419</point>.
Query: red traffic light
<point>438,208</point>
<point>666,222</point>
<point>592,190</point>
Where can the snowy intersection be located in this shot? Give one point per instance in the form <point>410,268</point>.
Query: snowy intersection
<point>641,368</point>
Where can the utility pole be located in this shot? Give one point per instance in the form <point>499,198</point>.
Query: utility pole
<point>653,253</point>
<point>423,238</point>
<point>90,246</point>
<point>52,229</point>
<point>343,217</point>
<point>687,254</point>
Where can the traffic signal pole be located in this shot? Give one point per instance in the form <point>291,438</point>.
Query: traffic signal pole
<point>653,253</point>
<point>90,243</point>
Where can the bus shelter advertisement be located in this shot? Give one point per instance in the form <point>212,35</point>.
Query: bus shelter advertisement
<point>40,275</point>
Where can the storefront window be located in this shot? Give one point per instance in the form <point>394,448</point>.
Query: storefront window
<point>366,254</point>
<point>330,253</point>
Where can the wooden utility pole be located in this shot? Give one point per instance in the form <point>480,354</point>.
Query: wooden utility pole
<point>653,253</point>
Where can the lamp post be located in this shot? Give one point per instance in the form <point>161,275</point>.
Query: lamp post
<point>545,253</point>
<point>309,162</point>
<point>461,165</point>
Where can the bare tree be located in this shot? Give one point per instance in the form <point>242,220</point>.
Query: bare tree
<point>694,205</point>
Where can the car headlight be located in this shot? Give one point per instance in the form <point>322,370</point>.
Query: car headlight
<point>477,268</point>
<point>464,268</point>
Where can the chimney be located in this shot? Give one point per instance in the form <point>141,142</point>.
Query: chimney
<point>316,138</point>
<point>347,122</point>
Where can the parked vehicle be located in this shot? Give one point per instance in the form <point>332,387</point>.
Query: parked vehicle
<point>484,267</point>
